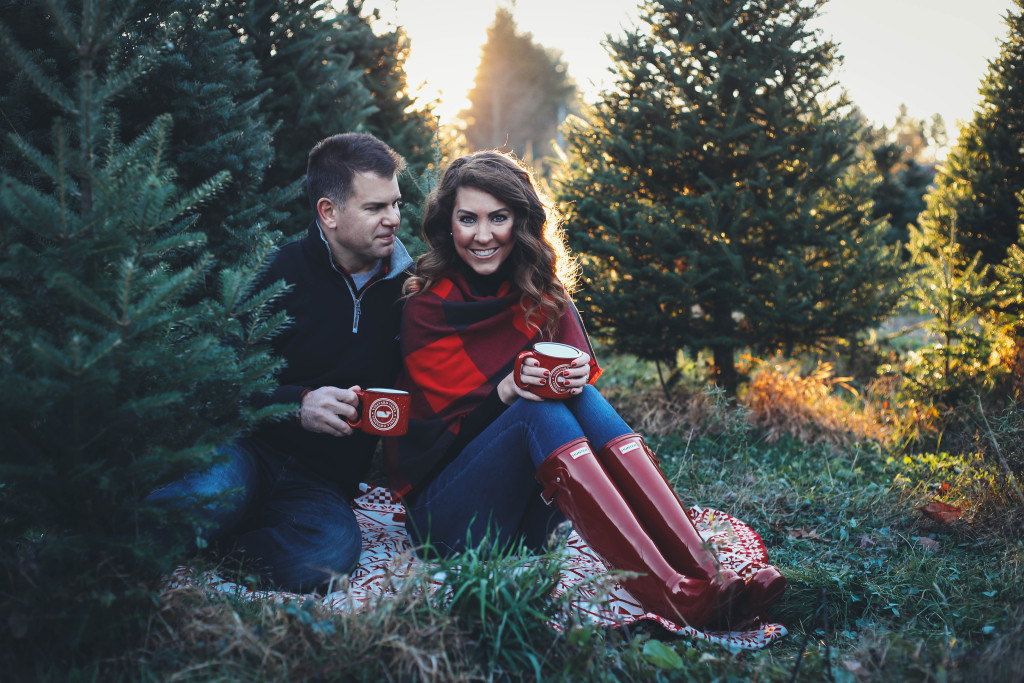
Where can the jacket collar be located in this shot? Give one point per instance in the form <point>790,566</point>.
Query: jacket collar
<point>400,259</point>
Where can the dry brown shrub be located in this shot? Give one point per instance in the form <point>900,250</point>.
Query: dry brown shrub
<point>649,410</point>
<point>778,400</point>
<point>782,400</point>
<point>198,635</point>
<point>907,418</point>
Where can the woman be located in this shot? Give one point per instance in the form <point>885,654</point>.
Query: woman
<point>485,457</point>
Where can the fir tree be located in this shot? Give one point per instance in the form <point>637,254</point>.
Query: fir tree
<point>522,92</point>
<point>1007,318</point>
<point>711,196</point>
<point>207,81</point>
<point>979,183</point>
<point>958,365</point>
<point>975,212</point>
<point>903,155</point>
<point>193,71</point>
<point>326,72</point>
<point>899,196</point>
<point>116,375</point>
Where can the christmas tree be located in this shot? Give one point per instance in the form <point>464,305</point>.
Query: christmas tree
<point>324,72</point>
<point>974,217</point>
<point>173,60</point>
<point>977,188</point>
<point>204,78</point>
<point>521,94</point>
<point>711,192</point>
<point>126,356</point>
<point>903,155</point>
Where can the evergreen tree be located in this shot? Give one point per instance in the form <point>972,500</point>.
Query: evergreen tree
<point>193,71</point>
<point>976,210</point>
<point>903,155</point>
<point>115,375</point>
<point>326,72</point>
<point>521,94</point>
<point>899,195</point>
<point>1008,317</point>
<point>957,365</point>
<point>207,82</point>
<point>979,183</point>
<point>712,195</point>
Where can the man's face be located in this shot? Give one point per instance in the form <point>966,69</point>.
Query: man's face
<point>363,231</point>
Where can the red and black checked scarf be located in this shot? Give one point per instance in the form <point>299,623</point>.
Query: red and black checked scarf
<point>456,348</point>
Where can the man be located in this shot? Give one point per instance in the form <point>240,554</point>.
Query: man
<point>284,493</point>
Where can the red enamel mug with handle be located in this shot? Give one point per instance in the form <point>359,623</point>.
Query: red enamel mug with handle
<point>553,357</point>
<point>382,411</point>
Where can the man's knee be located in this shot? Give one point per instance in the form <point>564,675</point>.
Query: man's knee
<point>206,503</point>
<point>336,555</point>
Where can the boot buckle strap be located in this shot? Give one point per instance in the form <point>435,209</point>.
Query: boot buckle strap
<point>548,494</point>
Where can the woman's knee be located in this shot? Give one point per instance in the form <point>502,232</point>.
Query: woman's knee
<point>542,419</point>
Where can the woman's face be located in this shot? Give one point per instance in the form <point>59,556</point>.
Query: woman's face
<point>481,229</point>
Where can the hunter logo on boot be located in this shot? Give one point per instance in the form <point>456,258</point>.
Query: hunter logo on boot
<point>629,447</point>
<point>579,452</point>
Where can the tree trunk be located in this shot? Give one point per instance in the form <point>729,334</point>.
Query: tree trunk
<point>723,351</point>
<point>725,369</point>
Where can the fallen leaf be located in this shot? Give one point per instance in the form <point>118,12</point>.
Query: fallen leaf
<point>865,541</point>
<point>944,487</point>
<point>803,533</point>
<point>853,667</point>
<point>928,543</point>
<point>941,512</point>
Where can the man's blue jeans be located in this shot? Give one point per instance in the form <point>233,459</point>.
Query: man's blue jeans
<point>488,492</point>
<point>292,527</point>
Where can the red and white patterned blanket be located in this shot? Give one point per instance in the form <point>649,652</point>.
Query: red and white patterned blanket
<point>387,555</point>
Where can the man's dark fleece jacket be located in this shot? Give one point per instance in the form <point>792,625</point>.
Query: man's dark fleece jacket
<point>337,337</point>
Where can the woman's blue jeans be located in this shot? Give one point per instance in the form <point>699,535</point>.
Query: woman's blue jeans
<point>293,528</point>
<point>488,494</point>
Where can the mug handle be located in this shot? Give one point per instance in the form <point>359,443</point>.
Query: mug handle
<point>518,369</point>
<point>359,420</point>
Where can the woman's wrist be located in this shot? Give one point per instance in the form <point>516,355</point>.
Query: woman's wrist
<point>505,391</point>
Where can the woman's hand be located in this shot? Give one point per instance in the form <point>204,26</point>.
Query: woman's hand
<point>579,373</point>
<point>533,375</point>
<point>509,391</point>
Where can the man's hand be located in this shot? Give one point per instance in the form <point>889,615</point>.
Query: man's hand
<point>326,409</point>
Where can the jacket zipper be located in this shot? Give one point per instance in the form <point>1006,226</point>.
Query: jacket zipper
<point>357,301</point>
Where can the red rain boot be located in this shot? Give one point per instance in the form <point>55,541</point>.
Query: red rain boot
<point>573,478</point>
<point>764,588</point>
<point>634,469</point>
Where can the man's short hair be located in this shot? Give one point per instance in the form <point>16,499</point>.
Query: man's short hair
<point>334,161</point>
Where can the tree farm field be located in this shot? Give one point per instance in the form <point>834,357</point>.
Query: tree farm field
<point>724,199</point>
<point>903,564</point>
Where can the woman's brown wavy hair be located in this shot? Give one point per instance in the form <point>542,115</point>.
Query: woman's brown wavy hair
<point>541,265</point>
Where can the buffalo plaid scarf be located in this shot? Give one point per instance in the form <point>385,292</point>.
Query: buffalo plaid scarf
<point>456,347</point>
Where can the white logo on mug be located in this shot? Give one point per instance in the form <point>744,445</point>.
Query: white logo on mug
<point>558,382</point>
<point>383,414</point>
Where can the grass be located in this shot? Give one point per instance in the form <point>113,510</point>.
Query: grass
<point>879,590</point>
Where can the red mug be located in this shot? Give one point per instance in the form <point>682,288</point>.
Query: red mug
<point>382,411</point>
<point>553,357</point>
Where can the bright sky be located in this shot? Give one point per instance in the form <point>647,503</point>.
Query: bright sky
<point>927,54</point>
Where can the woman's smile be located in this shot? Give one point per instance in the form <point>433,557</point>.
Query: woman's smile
<point>482,230</point>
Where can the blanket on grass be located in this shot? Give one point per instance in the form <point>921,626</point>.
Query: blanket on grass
<point>387,555</point>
